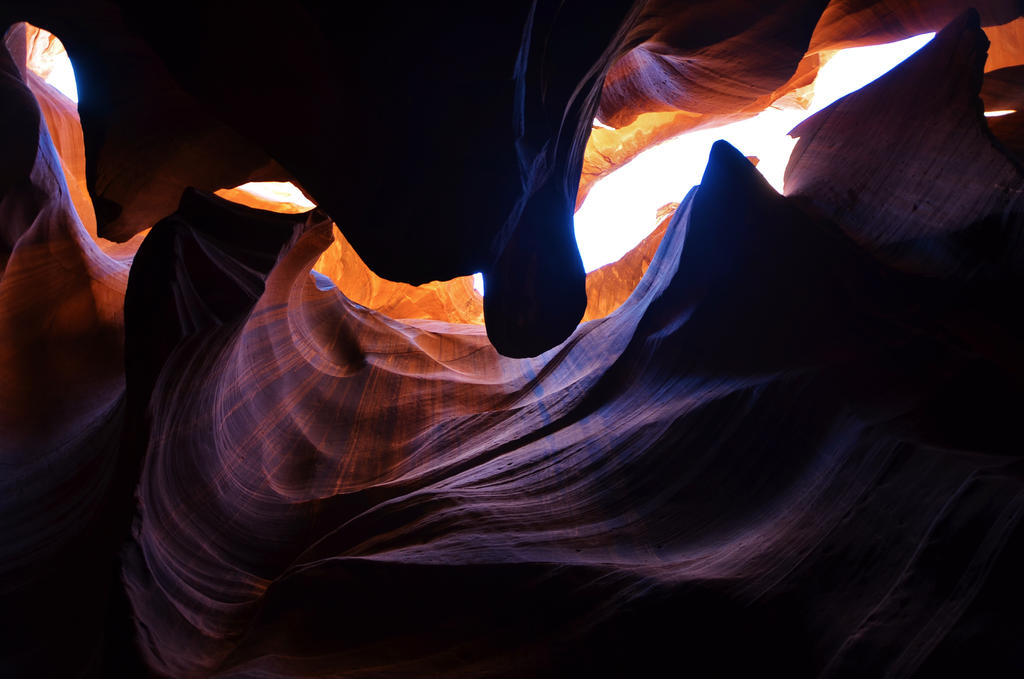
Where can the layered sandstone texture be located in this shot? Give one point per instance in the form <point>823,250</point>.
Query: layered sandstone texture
<point>243,438</point>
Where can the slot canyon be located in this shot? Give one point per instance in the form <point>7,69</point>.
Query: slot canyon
<point>256,421</point>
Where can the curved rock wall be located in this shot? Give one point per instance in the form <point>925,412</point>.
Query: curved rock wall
<point>792,449</point>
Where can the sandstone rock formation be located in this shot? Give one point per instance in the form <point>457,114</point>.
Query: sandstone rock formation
<point>741,72</point>
<point>784,441</point>
<point>64,504</point>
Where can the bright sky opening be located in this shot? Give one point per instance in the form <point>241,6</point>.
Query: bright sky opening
<point>279,192</point>
<point>621,209</point>
<point>63,78</point>
<point>50,60</point>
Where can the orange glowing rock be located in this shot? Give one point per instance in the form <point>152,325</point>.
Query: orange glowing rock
<point>454,301</point>
<point>41,51</point>
<point>1006,45</point>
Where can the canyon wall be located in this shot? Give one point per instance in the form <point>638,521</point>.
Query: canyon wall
<point>242,442</point>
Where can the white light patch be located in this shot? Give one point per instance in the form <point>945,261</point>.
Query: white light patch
<point>1000,113</point>
<point>278,192</point>
<point>62,77</point>
<point>621,209</point>
<point>851,69</point>
<point>48,59</point>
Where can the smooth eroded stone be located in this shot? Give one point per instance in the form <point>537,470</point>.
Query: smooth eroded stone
<point>724,444</point>
<point>946,173</point>
<point>65,485</point>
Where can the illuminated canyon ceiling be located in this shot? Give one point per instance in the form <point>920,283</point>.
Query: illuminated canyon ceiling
<point>784,441</point>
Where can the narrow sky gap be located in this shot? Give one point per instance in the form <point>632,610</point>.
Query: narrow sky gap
<point>53,64</point>
<point>621,209</point>
<point>280,192</point>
